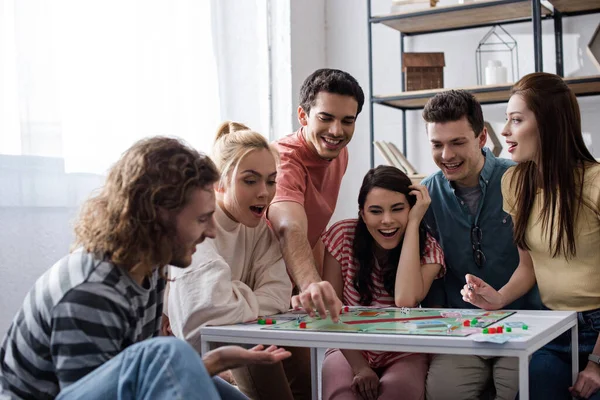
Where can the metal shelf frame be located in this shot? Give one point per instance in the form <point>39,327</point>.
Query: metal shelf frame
<point>537,15</point>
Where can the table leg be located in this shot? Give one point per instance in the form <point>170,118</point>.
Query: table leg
<point>320,358</point>
<point>524,377</point>
<point>314,372</point>
<point>574,353</point>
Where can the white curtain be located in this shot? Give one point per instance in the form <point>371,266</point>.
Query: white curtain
<point>84,79</point>
<point>80,81</point>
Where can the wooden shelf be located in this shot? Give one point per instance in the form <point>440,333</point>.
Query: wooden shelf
<point>480,13</point>
<point>581,86</point>
<point>576,6</point>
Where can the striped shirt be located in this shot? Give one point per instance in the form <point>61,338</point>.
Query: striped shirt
<point>82,312</point>
<point>338,241</point>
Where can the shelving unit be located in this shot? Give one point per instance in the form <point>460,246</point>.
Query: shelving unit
<point>415,100</point>
<point>576,7</point>
<point>470,15</point>
<point>476,15</point>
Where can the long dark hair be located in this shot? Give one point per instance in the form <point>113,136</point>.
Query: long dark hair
<point>559,169</point>
<point>390,178</point>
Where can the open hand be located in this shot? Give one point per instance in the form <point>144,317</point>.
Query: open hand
<point>480,294</point>
<point>417,212</point>
<point>229,357</point>
<point>588,381</point>
<point>365,384</point>
<point>319,297</point>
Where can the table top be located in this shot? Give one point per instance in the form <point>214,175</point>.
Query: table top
<point>543,326</point>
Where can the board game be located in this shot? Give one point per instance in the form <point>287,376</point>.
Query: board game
<point>408,321</point>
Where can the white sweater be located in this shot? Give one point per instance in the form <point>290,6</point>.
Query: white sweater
<point>234,278</point>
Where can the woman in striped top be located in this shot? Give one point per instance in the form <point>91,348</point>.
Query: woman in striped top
<point>384,258</point>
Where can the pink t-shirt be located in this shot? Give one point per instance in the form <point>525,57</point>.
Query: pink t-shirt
<point>338,240</point>
<point>309,180</point>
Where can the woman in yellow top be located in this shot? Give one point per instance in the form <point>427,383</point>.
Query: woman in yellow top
<point>553,196</point>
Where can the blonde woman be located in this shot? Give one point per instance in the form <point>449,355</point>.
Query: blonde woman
<point>239,275</point>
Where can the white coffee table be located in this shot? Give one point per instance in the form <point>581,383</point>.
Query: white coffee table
<point>544,326</point>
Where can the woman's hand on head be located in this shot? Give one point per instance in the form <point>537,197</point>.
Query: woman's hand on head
<point>417,212</point>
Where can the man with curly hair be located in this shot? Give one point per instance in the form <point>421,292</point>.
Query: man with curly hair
<point>81,332</point>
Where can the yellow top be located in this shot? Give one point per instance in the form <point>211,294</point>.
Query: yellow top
<point>565,284</point>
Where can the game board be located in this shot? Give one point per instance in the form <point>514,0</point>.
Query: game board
<point>410,321</point>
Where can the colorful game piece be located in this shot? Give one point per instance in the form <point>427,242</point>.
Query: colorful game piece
<point>269,321</point>
<point>273,321</point>
<point>500,329</point>
<point>491,330</point>
<point>485,331</point>
<point>346,309</point>
<point>303,325</point>
<point>467,323</point>
<point>508,329</point>
<point>474,321</point>
<point>261,321</point>
<point>524,327</point>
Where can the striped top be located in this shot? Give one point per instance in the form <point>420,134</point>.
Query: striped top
<point>338,241</point>
<point>82,312</point>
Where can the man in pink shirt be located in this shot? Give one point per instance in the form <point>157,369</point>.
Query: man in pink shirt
<point>313,162</point>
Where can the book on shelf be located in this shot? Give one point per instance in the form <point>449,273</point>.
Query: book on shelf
<point>407,166</point>
<point>387,155</point>
<point>395,158</point>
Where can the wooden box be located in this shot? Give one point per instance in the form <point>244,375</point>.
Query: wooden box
<point>423,71</point>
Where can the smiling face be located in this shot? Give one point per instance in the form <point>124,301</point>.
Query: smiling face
<point>253,188</point>
<point>385,214</point>
<point>457,151</point>
<point>194,223</point>
<point>521,130</point>
<point>329,125</point>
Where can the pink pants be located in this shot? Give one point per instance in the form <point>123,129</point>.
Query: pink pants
<point>403,379</point>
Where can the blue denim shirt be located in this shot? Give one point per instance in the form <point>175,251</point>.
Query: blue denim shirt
<point>450,223</point>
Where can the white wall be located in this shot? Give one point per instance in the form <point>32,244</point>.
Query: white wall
<point>346,48</point>
<point>39,202</point>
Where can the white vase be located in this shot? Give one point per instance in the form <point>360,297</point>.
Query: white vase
<point>495,73</point>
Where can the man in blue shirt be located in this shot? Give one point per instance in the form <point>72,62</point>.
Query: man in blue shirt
<point>467,219</point>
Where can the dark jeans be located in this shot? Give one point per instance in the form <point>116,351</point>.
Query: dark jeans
<point>550,366</point>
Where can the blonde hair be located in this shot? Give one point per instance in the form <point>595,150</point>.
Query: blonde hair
<point>232,143</point>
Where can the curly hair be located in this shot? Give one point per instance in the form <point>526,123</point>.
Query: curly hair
<point>122,224</point>
<point>331,81</point>
<point>390,178</point>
